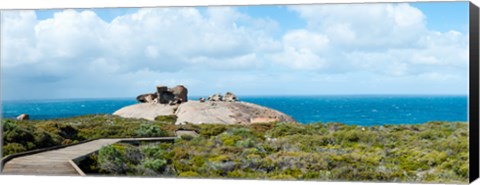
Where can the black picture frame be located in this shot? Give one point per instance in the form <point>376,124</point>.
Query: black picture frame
<point>474,93</point>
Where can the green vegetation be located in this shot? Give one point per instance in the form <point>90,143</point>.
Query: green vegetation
<point>431,152</point>
<point>20,136</point>
<point>168,119</point>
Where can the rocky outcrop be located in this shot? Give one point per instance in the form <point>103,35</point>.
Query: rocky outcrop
<point>147,98</point>
<point>215,97</point>
<point>180,92</point>
<point>165,95</point>
<point>217,109</point>
<point>230,97</point>
<point>23,117</point>
<point>146,111</point>
<point>196,112</point>
<point>228,113</point>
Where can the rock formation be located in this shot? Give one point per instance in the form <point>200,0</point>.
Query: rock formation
<point>147,98</point>
<point>165,95</point>
<point>180,92</point>
<point>230,97</point>
<point>23,117</point>
<point>196,112</point>
<point>220,109</point>
<point>215,97</point>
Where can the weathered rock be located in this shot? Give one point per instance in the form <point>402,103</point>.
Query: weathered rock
<point>202,99</point>
<point>196,112</point>
<point>263,120</point>
<point>164,95</point>
<point>228,113</point>
<point>230,97</point>
<point>147,98</point>
<point>215,97</point>
<point>174,102</point>
<point>180,92</point>
<point>147,111</point>
<point>23,117</point>
<point>162,88</point>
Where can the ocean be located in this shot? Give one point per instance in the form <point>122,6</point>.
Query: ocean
<point>358,110</point>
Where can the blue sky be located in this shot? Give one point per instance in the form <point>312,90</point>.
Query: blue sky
<point>441,16</point>
<point>390,48</point>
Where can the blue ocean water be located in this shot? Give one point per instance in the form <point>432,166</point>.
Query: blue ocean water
<point>359,110</point>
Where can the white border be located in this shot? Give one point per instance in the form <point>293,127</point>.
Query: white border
<point>57,4</point>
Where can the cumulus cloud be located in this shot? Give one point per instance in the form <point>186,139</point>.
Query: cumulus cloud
<point>389,39</point>
<point>79,44</point>
<point>77,53</point>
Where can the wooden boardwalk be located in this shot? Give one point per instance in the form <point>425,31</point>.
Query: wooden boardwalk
<point>56,162</point>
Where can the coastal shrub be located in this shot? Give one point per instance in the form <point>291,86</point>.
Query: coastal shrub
<point>133,155</point>
<point>209,130</point>
<point>67,142</point>
<point>150,130</point>
<point>18,135</point>
<point>187,137</point>
<point>110,160</point>
<point>286,129</point>
<point>8,124</point>
<point>189,174</point>
<point>12,148</point>
<point>43,139</point>
<point>152,151</point>
<point>157,165</point>
<point>166,118</point>
<point>183,165</point>
<point>341,152</point>
<point>89,165</point>
<point>432,152</point>
<point>261,128</point>
<point>69,132</point>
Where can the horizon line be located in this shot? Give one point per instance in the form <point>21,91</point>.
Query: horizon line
<point>240,95</point>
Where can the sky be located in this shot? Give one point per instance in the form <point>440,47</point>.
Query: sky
<point>329,49</point>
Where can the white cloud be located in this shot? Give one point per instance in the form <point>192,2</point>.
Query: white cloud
<point>388,39</point>
<point>76,45</point>
<point>367,25</point>
<point>85,55</point>
<point>302,50</point>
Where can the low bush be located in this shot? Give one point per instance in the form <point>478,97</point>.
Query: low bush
<point>35,134</point>
<point>398,153</point>
<point>166,119</point>
<point>432,152</point>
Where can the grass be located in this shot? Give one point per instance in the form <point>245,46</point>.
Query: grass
<point>435,152</point>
